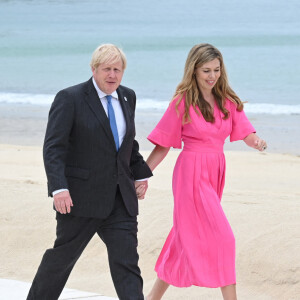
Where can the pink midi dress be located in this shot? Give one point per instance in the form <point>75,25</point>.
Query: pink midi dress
<point>200,248</point>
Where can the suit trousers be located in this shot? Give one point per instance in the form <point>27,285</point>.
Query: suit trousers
<point>118,232</point>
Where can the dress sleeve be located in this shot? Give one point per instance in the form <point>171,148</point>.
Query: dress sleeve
<point>241,126</point>
<point>167,132</point>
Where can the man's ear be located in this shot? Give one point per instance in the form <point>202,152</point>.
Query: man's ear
<point>93,70</point>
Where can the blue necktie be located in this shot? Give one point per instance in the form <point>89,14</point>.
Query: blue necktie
<point>112,121</point>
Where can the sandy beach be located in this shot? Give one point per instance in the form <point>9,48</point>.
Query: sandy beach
<point>261,201</point>
<point>47,45</point>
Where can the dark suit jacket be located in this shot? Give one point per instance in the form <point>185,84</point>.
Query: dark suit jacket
<point>80,152</point>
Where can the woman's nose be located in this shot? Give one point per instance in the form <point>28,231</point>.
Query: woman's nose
<point>211,75</point>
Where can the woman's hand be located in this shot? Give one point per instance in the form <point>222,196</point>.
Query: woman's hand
<point>260,144</point>
<point>252,140</point>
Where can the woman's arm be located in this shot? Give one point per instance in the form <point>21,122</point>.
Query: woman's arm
<point>154,159</point>
<point>252,140</point>
<point>156,156</point>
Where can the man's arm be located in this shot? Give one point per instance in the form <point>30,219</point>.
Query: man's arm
<point>56,144</point>
<point>139,168</point>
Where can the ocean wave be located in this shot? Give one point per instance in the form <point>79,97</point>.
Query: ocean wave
<point>272,109</point>
<point>18,98</point>
<point>255,108</point>
<point>150,104</point>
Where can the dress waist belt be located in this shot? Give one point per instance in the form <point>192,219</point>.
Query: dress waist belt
<point>202,147</point>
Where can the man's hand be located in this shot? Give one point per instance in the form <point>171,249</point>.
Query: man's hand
<point>141,188</point>
<point>63,202</point>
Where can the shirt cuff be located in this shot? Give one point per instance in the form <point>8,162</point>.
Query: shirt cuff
<point>142,179</point>
<point>59,191</point>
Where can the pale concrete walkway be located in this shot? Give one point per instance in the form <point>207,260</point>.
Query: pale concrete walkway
<point>18,290</point>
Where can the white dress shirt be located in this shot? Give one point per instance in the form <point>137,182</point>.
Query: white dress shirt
<point>120,119</point>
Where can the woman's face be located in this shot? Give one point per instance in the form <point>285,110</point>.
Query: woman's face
<point>208,74</point>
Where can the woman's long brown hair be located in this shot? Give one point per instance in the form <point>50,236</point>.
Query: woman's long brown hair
<point>188,87</point>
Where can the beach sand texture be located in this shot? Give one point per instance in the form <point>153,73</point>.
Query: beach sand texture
<point>261,201</point>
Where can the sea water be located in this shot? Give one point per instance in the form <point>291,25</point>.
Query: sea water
<point>46,46</point>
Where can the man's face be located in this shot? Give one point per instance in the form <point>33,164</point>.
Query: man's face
<point>108,76</point>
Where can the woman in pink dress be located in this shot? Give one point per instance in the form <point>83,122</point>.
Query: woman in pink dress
<point>200,248</point>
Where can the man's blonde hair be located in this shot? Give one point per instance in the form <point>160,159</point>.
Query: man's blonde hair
<point>107,54</point>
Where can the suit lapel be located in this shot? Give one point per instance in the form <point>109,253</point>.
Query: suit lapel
<point>95,104</point>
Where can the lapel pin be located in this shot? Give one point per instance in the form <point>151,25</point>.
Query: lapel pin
<point>125,98</point>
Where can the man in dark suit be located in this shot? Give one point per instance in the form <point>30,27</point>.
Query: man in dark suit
<point>93,165</point>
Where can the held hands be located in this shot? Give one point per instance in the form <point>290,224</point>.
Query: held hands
<point>63,202</point>
<point>141,188</point>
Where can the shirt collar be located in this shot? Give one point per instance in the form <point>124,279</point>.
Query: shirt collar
<point>102,94</point>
